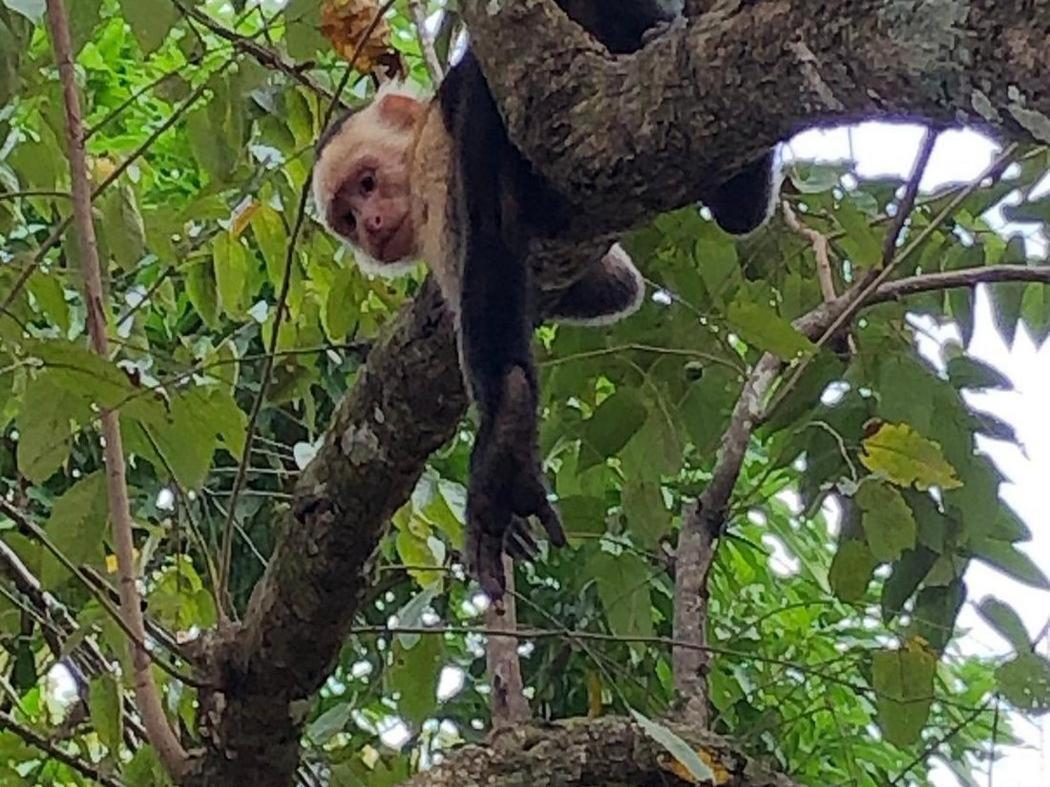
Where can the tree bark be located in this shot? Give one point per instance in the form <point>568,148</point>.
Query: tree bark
<point>578,752</point>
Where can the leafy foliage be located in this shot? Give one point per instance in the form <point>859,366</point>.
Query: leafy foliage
<point>199,155</point>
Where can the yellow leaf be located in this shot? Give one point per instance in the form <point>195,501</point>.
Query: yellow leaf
<point>901,455</point>
<point>111,562</point>
<point>242,217</point>
<point>671,765</point>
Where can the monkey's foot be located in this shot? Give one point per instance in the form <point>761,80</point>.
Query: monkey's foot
<point>506,488</point>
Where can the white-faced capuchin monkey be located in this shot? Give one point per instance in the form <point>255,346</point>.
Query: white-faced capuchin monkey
<point>437,179</point>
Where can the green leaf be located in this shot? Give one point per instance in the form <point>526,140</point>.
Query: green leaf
<point>125,232</point>
<point>612,425</point>
<point>760,326</point>
<point>329,723</point>
<point>203,292</point>
<point>272,239</point>
<point>903,683</point>
<point>1010,560</point>
<point>623,583</point>
<point>302,34</point>
<point>1025,682</point>
<point>936,609</point>
<point>647,516</point>
<point>967,372</point>
<point>208,143</point>
<point>150,21</point>
<point>44,431</point>
<point>677,748</point>
<point>84,16</point>
<point>1006,622</point>
<point>106,708</point>
<point>77,527</point>
<point>583,514</point>
<point>414,674</point>
<point>83,373</point>
<point>411,616</point>
<point>888,522</point>
<point>908,573</point>
<point>186,441</point>
<point>51,298</point>
<point>146,770</point>
<point>717,260</point>
<point>231,273</point>
<point>1006,300</point>
<point>901,455</point>
<point>851,570</point>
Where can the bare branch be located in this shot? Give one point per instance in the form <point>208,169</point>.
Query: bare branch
<point>262,54</point>
<point>417,8</point>
<point>160,732</point>
<point>907,203</point>
<point>509,706</point>
<point>821,250</point>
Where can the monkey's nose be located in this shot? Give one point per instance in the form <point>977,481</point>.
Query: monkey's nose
<point>374,223</point>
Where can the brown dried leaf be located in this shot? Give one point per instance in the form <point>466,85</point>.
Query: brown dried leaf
<point>343,22</point>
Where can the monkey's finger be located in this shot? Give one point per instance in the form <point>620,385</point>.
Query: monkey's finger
<point>551,521</point>
<point>519,543</point>
<point>488,565</point>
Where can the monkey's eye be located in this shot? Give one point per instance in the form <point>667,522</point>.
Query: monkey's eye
<point>368,183</point>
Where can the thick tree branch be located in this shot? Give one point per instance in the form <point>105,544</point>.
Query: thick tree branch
<point>578,752</point>
<point>406,403</point>
<point>160,732</point>
<point>706,97</point>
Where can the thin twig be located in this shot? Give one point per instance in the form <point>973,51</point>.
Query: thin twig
<point>160,732</point>
<point>263,55</point>
<point>226,555</point>
<point>417,9</point>
<point>907,203</point>
<point>38,741</point>
<point>821,250</point>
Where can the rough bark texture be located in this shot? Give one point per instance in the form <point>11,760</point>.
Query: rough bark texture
<point>625,138</point>
<point>612,750</point>
<point>709,95</point>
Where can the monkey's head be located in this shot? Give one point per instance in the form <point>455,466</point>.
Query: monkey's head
<point>362,181</point>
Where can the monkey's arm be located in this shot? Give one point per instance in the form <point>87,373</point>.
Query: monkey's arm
<point>608,291</point>
<point>506,480</point>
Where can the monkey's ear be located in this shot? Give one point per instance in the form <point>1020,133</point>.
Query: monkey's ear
<point>400,111</point>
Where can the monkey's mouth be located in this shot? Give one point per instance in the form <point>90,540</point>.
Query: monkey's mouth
<point>397,245</point>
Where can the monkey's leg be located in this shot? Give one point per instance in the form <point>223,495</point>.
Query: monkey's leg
<point>610,290</point>
<point>506,479</point>
<point>745,201</point>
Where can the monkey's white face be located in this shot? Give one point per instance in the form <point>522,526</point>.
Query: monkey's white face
<point>372,209</point>
<point>362,183</point>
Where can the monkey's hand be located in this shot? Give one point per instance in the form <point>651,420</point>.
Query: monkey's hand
<point>507,487</point>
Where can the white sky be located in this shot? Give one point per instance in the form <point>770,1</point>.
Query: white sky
<point>881,149</point>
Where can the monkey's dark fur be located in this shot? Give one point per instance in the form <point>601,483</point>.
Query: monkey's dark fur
<point>496,204</point>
